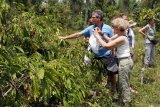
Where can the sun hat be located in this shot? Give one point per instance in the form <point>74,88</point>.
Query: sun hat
<point>132,23</point>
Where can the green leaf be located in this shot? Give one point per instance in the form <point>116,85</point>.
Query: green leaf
<point>68,84</point>
<point>40,74</point>
<point>66,104</point>
<point>35,86</point>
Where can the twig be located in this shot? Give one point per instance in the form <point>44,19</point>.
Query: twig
<point>10,89</point>
<point>22,80</point>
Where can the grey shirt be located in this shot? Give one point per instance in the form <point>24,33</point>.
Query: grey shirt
<point>150,32</point>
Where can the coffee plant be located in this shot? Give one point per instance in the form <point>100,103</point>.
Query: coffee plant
<point>37,69</point>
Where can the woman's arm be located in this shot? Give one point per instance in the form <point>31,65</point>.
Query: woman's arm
<point>114,37</point>
<point>106,37</point>
<point>143,30</point>
<point>110,45</point>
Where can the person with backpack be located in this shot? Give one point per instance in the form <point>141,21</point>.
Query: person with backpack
<point>148,31</point>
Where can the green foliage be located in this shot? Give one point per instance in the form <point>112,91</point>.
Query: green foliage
<point>146,13</point>
<point>38,69</point>
<point>110,12</point>
<point>150,13</point>
<point>4,9</point>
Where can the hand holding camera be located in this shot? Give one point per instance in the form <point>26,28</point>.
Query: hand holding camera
<point>97,30</point>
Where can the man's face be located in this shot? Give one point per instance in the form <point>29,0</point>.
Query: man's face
<point>95,18</point>
<point>124,17</point>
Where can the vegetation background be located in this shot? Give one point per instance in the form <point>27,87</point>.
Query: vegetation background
<point>38,69</point>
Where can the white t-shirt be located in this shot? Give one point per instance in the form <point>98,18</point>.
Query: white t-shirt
<point>123,50</point>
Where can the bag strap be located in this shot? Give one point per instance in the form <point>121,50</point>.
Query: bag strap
<point>148,38</point>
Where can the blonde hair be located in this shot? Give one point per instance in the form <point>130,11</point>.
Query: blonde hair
<point>121,24</point>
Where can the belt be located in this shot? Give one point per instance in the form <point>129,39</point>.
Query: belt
<point>124,58</point>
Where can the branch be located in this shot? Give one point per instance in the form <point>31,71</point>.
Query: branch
<point>10,89</point>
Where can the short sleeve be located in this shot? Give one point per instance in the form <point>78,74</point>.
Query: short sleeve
<point>107,30</point>
<point>87,31</point>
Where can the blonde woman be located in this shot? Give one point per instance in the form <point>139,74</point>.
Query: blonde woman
<point>121,43</point>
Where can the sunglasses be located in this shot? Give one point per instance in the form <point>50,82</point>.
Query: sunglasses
<point>95,17</point>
